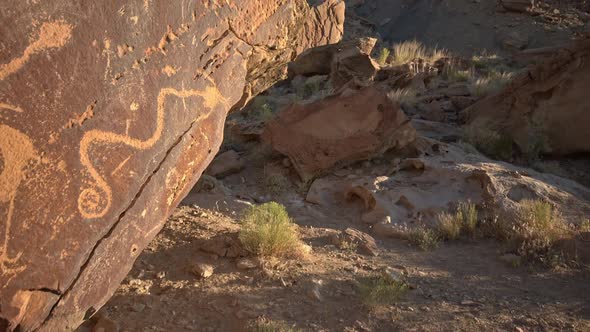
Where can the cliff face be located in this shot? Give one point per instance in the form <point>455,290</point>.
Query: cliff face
<point>108,116</point>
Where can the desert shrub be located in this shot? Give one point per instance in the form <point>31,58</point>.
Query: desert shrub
<point>491,143</point>
<point>265,325</point>
<point>383,56</point>
<point>381,289</point>
<point>276,183</point>
<point>268,231</point>
<point>403,96</point>
<point>537,229</point>
<point>449,226</point>
<point>424,238</point>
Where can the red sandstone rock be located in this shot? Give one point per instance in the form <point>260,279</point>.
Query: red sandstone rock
<point>339,130</point>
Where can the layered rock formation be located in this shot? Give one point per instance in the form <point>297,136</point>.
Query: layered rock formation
<point>108,116</point>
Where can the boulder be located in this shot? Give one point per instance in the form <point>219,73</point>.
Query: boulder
<point>109,113</point>
<point>318,60</point>
<point>353,63</point>
<point>224,164</point>
<point>345,61</point>
<point>546,108</point>
<point>338,130</point>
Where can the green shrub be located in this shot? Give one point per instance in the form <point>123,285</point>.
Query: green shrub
<point>268,231</point>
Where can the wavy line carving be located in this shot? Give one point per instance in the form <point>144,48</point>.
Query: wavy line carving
<point>95,201</point>
<point>51,35</point>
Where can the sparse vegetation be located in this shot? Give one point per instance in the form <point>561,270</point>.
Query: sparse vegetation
<point>268,231</point>
<point>491,143</point>
<point>381,289</point>
<point>309,88</point>
<point>491,83</point>
<point>424,238</point>
<point>404,96</point>
<point>348,246</point>
<point>463,221</point>
<point>276,183</point>
<point>453,74</point>
<point>383,56</point>
<point>265,325</point>
<point>413,50</point>
<point>449,226</point>
<point>538,227</point>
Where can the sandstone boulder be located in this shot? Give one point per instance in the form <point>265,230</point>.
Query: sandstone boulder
<point>343,62</point>
<point>545,109</point>
<point>339,130</point>
<point>109,113</point>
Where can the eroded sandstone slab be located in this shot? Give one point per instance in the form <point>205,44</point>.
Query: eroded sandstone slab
<point>108,115</point>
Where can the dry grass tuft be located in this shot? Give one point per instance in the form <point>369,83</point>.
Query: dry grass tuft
<point>463,221</point>
<point>491,83</point>
<point>403,96</point>
<point>383,56</point>
<point>413,50</point>
<point>268,231</point>
<point>449,226</point>
<point>538,228</point>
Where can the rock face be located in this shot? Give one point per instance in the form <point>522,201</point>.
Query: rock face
<point>338,130</point>
<point>108,116</point>
<point>545,108</point>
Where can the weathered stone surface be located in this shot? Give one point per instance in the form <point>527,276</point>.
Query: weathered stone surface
<point>339,130</point>
<point>225,164</point>
<point>324,60</point>
<point>545,108</point>
<point>109,113</point>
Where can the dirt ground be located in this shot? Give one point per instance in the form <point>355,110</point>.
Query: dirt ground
<point>462,286</point>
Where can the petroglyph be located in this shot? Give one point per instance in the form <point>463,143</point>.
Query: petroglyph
<point>51,35</point>
<point>16,150</point>
<point>95,201</point>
